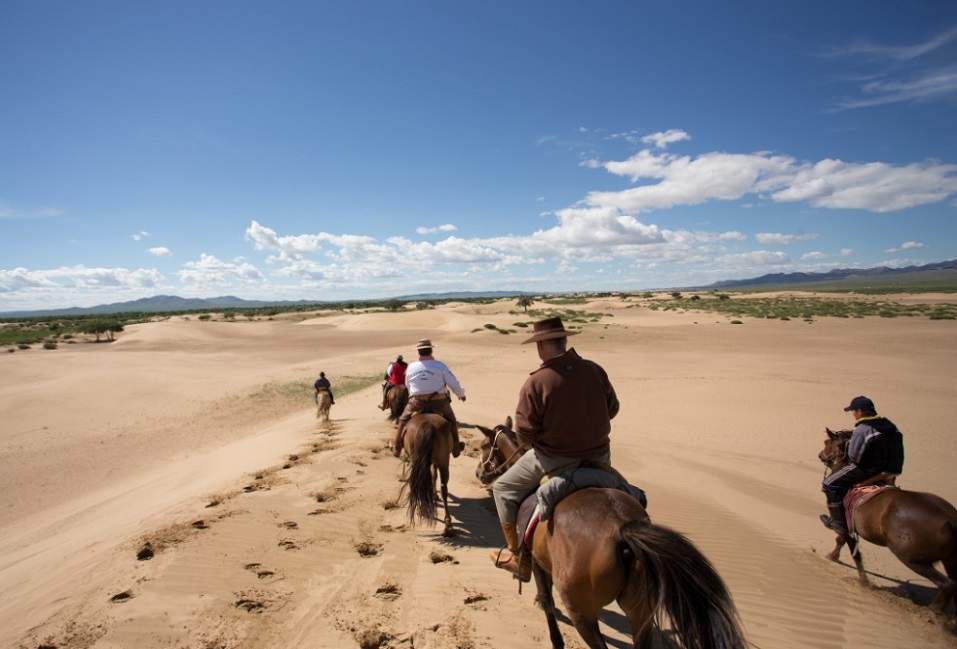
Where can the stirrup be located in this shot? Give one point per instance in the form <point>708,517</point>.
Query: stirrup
<point>832,525</point>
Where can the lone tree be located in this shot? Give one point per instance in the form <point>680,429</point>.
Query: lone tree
<point>112,328</point>
<point>525,302</point>
<point>96,327</point>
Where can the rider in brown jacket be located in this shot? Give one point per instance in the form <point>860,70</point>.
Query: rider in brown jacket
<point>564,413</point>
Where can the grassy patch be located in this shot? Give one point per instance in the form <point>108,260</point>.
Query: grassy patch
<point>787,308</point>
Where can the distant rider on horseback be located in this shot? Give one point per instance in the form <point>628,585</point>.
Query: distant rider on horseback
<point>428,381</point>
<point>564,413</point>
<point>876,447</point>
<point>322,384</point>
<point>394,375</point>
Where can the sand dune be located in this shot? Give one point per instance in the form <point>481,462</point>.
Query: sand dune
<point>106,447</point>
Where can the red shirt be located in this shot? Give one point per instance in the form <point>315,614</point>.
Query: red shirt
<point>397,373</point>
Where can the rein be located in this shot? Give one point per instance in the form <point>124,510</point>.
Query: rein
<point>489,463</point>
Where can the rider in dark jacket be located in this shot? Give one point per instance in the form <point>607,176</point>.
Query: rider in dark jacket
<point>323,384</point>
<point>876,446</point>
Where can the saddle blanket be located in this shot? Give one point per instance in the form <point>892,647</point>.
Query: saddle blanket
<point>858,496</point>
<point>539,505</point>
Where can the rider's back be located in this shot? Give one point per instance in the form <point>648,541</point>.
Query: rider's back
<point>877,446</point>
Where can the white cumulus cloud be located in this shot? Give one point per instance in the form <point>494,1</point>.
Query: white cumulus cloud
<point>210,270</point>
<point>662,139</point>
<point>779,239</point>
<point>160,251</point>
<point>847,252</point>
<point>814,255</point>
<point>446,227</point>
<point>139,236</point>
<point>667,180</point>
<point>907,245</point>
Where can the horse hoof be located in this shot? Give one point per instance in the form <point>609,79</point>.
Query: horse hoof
<point>834,556</point>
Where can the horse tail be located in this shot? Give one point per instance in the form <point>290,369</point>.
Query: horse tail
<point>422,501</point>
<point>671,572</point>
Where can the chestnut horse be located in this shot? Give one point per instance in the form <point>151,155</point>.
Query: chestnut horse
<point>323,405</point>
<point>396,398</point>
<point>919,528</point>
<point>600,546</point>
<point>428,445</point>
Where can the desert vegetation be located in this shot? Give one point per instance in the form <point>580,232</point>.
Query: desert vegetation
<point>807,308</point>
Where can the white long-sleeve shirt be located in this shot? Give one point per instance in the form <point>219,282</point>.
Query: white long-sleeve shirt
<point>428,376</point>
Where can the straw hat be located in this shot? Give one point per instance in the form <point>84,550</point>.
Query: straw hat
<point>425,343</point>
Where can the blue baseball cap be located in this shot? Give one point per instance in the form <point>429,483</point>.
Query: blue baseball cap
<point>861,403</point>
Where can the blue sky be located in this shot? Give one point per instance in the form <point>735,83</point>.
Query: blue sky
<point>312,150</point>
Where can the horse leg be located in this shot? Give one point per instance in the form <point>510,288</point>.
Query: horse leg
<point>950,564</point>
<point>444,475</point>
<point>585,621</point>
<point>947,586</point>
<point>640,613</point>
<point>835,554</point>
<point>854,545</point>
<point>543,584</point>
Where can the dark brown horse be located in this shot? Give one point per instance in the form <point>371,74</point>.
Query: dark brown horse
<point>919,528</point>
<point>600,546</point>
<point>396,398</point>
<point>428,445</point>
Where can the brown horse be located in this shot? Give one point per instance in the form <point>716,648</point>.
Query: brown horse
<point>428,445</point>
<point>396,398</point>
<point>919,528</point>
<point>323,405</point>
<point>600,546</point>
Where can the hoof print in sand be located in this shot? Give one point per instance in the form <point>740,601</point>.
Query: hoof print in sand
<point>368,548</point>
<point>437,556</point>
<point>215,502</point>
<point>288,544</point>
<point>200,525</point>
<point>145,553</point>
<point>250,605</point>
<point>125,596</point>
<point>475,597</point>
<point>261,572</point>
<point>388,591</point>
<point>289,525</point>
<point>392,528</point>
<point>389,505</point>
<point>373,639</point>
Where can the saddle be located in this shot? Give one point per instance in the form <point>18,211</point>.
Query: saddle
<point>863,492</point>
<point>539,505</point>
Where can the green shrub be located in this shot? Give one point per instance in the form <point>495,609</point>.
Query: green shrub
<point>695,297</point>
<point>204,317</point>
<point>23,346</point>
<point>676,295</point>
<point>736,322</point>
<point>49,344</point>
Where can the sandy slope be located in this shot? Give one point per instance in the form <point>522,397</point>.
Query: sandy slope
<point>720,423</point>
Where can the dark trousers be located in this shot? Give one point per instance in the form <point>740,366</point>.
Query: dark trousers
<point>836,485</point>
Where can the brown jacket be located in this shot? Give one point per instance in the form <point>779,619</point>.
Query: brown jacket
<point>565,408</point>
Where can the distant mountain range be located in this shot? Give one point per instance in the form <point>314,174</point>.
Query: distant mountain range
<point>167,303</point>
<point>841,275</point>
<point>160,303</point>
<point>942,273</point>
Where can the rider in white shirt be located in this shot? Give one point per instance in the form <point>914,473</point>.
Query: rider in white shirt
<point>429,381</point>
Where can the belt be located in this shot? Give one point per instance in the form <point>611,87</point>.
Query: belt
<point>431,396</point>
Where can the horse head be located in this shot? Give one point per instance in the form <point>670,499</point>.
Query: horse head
<point>499,448</point>
<point>835,447</point>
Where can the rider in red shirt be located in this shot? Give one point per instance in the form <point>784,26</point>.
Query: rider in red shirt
<point>394,375</point>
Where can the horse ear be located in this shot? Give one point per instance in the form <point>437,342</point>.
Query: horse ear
<point>486,431</point>
<point>508,422</point>
<point>830,433</point>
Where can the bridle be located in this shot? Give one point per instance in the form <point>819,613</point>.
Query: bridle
<point>491,470</point>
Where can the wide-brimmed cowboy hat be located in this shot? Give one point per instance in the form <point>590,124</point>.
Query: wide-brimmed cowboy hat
<point>549,329</point>
<point>425,343</point>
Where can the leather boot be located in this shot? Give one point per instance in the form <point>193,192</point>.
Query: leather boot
<point>508,558</point>
<point>837,521</point>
